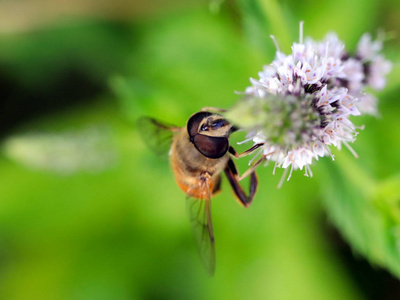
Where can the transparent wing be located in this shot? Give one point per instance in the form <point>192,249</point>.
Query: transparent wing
<point>156,135</point>
<point>199,211</point>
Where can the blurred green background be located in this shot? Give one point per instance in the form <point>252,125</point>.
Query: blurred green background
<point>88,212</point>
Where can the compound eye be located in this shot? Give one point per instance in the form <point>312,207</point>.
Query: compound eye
<point>194,122</point>
<point>211,146</point>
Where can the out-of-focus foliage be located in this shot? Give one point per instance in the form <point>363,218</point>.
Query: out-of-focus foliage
<point>119,231</point>
<point>363,196</point>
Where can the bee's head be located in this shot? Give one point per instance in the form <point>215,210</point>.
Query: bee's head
<point>209,133</point>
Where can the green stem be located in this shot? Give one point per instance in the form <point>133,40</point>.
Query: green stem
<point>276,18</point>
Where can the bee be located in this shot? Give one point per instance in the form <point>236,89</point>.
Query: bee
<point>199,153</point>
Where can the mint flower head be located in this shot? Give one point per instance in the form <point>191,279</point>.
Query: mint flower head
<point>301,104</point>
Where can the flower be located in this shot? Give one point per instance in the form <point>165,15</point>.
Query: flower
<point>301,103</point>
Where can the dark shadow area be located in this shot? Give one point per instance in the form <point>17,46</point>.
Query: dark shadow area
<point>373,282</point>
<point>19,104</point>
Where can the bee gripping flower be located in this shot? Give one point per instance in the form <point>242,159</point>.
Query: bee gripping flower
<point>301,103</point>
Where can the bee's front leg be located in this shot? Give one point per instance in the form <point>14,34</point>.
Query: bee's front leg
<point>233,177</point>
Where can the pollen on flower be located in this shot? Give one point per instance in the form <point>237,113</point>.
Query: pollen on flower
<point>302,102</point>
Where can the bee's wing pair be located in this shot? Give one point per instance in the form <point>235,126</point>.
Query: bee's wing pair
<point>158,137</point>
<point>199,211</point>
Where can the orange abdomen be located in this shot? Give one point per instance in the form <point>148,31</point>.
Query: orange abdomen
<point>193,186</point>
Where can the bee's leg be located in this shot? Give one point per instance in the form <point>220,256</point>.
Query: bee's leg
<point>217,186</point>
<point>247,152</point>
<point>233,177</point>
<point>254,166</point>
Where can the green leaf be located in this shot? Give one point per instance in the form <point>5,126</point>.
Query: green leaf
<point>365,211</point>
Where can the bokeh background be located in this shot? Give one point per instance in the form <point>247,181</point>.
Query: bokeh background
<point>88,212</point>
